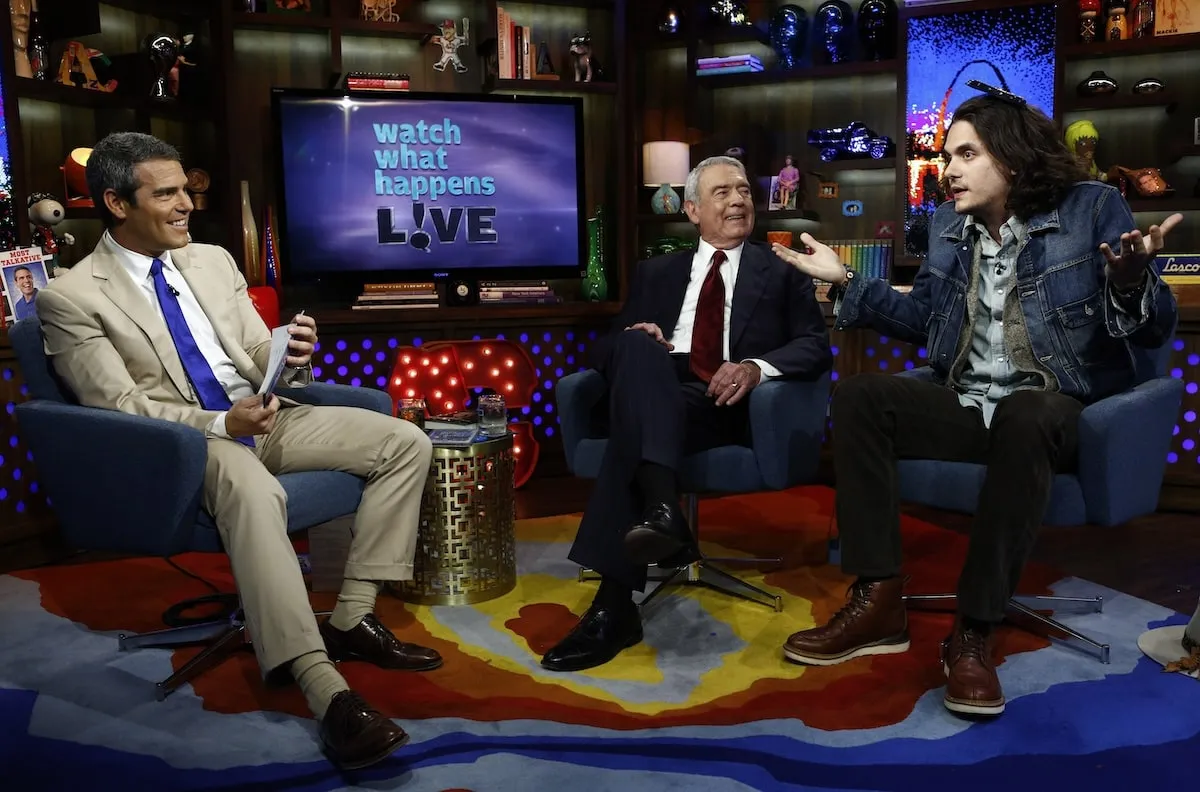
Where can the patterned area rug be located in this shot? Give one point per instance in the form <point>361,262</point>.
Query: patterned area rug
<point>706,702</point>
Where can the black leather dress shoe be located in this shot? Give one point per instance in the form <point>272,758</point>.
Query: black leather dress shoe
<point>599,637</point>
<point>354,735</point>
<point>374,643</point>
<point>663,533</point>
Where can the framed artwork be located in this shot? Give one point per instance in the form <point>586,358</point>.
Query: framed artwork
<point>1011,48</point>
<point>24,275</point>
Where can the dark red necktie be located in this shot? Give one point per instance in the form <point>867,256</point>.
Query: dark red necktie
<point>708,326</point>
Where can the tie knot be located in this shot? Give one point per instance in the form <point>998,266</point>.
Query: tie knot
<point>718,258</point>
<point>156,268</point>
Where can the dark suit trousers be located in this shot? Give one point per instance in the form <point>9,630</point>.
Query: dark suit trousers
<point>658,412</point>
<point>880,418</point>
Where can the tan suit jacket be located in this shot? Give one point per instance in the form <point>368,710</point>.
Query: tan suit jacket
<point>111,347</point>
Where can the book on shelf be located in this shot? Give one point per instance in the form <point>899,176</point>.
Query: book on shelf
<point>396,306</point>
<point>512,284</point>
<point>515,50</point>
<point>426,287</point>
<point>383,297</point>
<point>377,81</point>
<point>551,299</point>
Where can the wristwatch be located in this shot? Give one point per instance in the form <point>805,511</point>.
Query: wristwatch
<point>836,291</point>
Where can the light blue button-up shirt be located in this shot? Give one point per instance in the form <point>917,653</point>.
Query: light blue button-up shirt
<point>989,374</point>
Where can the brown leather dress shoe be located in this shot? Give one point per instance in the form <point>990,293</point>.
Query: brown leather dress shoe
<point>354,735</point>
<point>374,643</point>
<point>872,622</point>
<point>972,686</point>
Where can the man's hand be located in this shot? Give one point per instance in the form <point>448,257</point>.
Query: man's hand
<point>654,331</point>
<point>303,330</point>
<point>822,264</point>
<point>732,382</point>
<point>1126,270</point>
<point>247,417</point>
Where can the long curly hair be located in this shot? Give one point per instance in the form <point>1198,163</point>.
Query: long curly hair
<point>1024,140</point>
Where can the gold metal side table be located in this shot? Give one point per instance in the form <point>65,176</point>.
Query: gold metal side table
<point>466,550</point>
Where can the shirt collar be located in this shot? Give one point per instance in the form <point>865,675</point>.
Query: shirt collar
<point>136,264</point>
<point>1015,227</point>
<point>705,251</point>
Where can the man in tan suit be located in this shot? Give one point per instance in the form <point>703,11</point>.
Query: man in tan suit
<point>152,325</point>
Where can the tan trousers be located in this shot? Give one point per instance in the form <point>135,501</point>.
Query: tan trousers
<point>250,509</point>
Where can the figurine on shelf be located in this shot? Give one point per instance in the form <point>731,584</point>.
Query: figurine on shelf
<point>1116,28</point>
<point>877,29</point>
<point>45,212</point>
<point>1141,19</point>
<point>853,141</point>
<point>834,21</point>
<point>587,68</point>
<point>1089,14</point>
<point>728,12</point>
<point>1082,138</point>
<point>163,51</point>
<point>449,40</point>
<point>379,11</point>
<point>789,34</point>
<point>789,185</point>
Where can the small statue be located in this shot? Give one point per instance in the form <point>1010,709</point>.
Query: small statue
<point>45,212</point>
<point>379,11</point>
<point>789,185</point>
<point>877,29</point>
<point>587,68</point>
<point>1081,138</point>
<point>789,34</point>
<point>19,15</point>
<point>728,12</point>
<point>164,57</point>
<point>450,41</point>
<point>834,21</point>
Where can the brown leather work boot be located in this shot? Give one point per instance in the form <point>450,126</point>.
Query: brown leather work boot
<point>972,686</point>
<point>872,622</point>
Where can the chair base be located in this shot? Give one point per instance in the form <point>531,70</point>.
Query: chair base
<point>1101,650</point>
<point>223,637</point>
<point>702,573</point>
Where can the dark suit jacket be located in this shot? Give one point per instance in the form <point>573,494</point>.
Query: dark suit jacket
<point>775,316</point>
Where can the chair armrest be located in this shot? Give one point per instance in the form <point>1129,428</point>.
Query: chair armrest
<point>327,394</point>
<point>577,396</point>
<point>1123,445</point>
<point>787,424</point>
<point>116,481</point>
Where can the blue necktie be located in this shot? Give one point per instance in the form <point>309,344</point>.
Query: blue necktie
<point>210,392</point>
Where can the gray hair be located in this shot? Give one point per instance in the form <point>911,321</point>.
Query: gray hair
<point>112,162</point>
<point>691,190</point>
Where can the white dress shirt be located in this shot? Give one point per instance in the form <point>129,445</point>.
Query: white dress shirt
<point>682,336</point>
<point>138,266</point>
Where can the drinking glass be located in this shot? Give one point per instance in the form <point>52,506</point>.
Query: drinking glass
<point>493,415</point>
<point>413,410</point>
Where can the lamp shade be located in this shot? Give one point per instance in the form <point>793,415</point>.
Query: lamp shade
<point>665,162</point>
<point>74,170</point>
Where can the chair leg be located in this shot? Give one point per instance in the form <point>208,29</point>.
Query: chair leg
<point>213,655</point>
<point>1101,650</point>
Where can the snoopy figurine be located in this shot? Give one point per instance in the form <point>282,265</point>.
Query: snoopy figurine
<point>45,212</point>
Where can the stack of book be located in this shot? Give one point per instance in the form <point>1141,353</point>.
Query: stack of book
<point>371,81</point>
<point>377,296</point>
<point>731,64</point>
<point>516,51</point>
<point>515,292</point>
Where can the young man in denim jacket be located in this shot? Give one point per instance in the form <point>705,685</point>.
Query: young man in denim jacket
<point>1036,284</point>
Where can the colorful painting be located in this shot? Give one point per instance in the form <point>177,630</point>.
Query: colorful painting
<point>1011,48</point>
<point>8,215</point>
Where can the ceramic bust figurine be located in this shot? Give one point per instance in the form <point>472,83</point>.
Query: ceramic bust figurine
<point>877,29</point>
<point>833,22</point>
<point>789,32</point>
<point>19,14</point>
<point>1082,138</point>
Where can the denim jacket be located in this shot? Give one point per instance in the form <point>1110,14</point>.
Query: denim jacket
<point>1075,329</point>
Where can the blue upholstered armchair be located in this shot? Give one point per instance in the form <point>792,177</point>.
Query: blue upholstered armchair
<point>124,483</point>
<point>787,423</point>
<point>1123,444</point>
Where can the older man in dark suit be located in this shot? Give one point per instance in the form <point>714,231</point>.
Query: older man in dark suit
<point>699,332</point>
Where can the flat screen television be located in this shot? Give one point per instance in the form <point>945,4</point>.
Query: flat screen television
<point>412,186</point>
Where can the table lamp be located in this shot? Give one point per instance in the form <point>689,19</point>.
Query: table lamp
<point>74,170</point>
<point>665,164</point>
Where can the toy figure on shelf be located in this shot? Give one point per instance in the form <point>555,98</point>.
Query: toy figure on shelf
<point>1089,15</point>
<point>789,34</point>
<point>587,68</point>
<point>728,12</point>
<point>379,11</point>
<point>45,212</point>
<point>1082,138</point>
<point>834,22</point>
<point>853,141</point>
<point>450,41</point>
<point>790,191</point>
<point>877,29</point>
